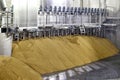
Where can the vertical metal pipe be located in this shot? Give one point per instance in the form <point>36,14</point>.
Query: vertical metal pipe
<point>7,23</point>
<point>38,15</point>
<point>81,5</point>
<point>27,23</point>
<point>105,7</point>
<point>73,3</point>
<point>3,5</point>
<point>89,15</point>
<point>119,5</point>
<point>72,16</point>
<point>43,17</point>
<point>100,19</point>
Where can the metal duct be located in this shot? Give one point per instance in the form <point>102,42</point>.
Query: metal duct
<point>2,8</point>
<point>3,5</point>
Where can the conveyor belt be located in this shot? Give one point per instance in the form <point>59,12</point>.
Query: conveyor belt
<point>107,69</point>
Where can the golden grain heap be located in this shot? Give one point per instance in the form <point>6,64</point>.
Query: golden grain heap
<point>48,55</point>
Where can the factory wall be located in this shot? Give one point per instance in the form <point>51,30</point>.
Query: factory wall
<point>24,9</point>
<point>114,7</point>
<point>25,12</point>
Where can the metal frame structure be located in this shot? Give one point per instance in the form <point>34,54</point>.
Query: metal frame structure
<point>6,27</point>
<point>61,27</point>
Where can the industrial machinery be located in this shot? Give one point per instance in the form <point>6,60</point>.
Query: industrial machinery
<point>59,21</point>
<point>62,21</point>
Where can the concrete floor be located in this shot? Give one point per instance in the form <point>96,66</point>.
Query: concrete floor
<point>107,69</point>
